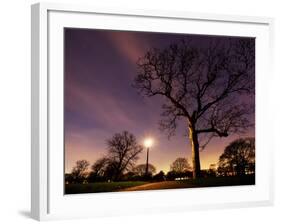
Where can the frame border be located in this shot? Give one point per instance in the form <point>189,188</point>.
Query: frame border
<point>40,89</point>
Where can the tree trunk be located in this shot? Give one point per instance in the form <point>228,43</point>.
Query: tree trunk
<point>195,151</point>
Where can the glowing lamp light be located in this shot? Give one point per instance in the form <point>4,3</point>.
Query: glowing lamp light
<point>148,142</point>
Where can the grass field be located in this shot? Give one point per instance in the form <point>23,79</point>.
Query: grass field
<point>100,187</point>
<point>222,181</point>
<point>140,185</point>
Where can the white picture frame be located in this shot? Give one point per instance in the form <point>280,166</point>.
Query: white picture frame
<point>48,201</point>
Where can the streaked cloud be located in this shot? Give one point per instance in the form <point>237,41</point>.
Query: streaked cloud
<point>129,44</point>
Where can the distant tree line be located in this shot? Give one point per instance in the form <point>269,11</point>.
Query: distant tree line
<point>100,171</point>
<point>119,164</point>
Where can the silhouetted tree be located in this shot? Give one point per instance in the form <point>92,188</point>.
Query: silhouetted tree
<point>202,86</point>
<point>159,176</point>
<point>140,170</point>
<point>111,172</point>
<point>212,170</point>
<point>238,157</point>
<point>79,171</point>
<point>99,169</point>
<point>131,176</point>
<point>172,175</point>
<point>180,165</point>
<point>68,178</point>
<point>123,151</point>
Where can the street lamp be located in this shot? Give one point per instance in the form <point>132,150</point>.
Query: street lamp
<point>147,143</point>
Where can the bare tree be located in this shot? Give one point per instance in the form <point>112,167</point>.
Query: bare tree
<point>123,151</point>
<point>206,87</point>
<point>140,170</point>
<point>238,157</point>
<point>100,166</point>
<point>79,171</point>
<point>180,165</point>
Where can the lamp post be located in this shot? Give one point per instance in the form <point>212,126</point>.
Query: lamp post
<point>147,155</point>
<point>147,143</point>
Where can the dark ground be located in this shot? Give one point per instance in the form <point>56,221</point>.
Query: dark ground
<point>141,185</point>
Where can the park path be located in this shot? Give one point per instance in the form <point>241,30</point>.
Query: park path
<point>159,185</point>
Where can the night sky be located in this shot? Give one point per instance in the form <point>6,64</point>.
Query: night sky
<point>100,101</point>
